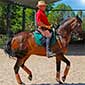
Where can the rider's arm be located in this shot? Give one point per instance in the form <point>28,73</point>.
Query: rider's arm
<point>41,24</point>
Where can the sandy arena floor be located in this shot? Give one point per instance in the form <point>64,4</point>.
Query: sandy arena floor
<point>43,69</point>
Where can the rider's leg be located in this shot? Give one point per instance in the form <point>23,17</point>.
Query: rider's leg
<point>48,49</point>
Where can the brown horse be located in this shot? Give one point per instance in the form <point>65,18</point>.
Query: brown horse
<point>22,45</point>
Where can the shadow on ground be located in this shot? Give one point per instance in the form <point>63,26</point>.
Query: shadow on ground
<point>76,49</point>
<point>61,84</point>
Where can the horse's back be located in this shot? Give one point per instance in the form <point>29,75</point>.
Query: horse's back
<point>22,34</point>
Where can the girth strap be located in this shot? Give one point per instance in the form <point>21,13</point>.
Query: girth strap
<point>59,41</point>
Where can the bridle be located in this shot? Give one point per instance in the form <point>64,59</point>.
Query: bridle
<point>76,30</point>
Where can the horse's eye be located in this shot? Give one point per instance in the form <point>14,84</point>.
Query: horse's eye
<point>78,24</point>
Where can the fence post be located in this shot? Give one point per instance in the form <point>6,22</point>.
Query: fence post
<point>23,18</point>
<point>8,18</point>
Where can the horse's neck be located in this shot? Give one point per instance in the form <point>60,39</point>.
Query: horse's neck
<point>65,31</point>
<point>65,36</point>
<point>66,27</point>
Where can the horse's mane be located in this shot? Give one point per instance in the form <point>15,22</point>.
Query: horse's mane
<point>79,19</point>
<point>64,23</point>
<point>65,20</point>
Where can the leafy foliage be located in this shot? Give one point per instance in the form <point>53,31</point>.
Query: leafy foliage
<point>54,16</point>
<point>58,14</point>
<point>30,19</point>
<point>16,18</point>
<point>2,18</point>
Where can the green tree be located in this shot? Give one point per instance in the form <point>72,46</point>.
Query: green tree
<point>30,19</point>
<point>83,20</point>
<point>79,13</point>
<point>49,8</point>
<point>58,13</point>
<point>16,18</point>
<point>2,18</point>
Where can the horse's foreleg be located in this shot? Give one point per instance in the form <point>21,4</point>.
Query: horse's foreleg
<point>16,70</point>
<point>58,66</point>
<point>67,67</point>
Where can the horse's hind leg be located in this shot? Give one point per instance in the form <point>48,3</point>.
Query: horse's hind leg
<point>64,59</point>
<point>27,71</point>
<point>25,68</point>
<point>16,70</point>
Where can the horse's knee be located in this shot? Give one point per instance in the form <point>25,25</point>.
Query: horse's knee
<point>16,69</point>
<point>65,60</point>
<point>22,65</point>
<point>68,63</point>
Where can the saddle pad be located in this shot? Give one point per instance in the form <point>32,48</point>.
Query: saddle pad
<point>38,36</point>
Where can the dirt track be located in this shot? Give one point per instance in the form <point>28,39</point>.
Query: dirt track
<point>43,69</point>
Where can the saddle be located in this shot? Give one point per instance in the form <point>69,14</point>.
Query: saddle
<point>41,40</point>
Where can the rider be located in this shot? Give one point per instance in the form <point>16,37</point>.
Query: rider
<point>43,26</point>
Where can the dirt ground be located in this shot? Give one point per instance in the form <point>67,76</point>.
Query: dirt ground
<point>44,69</point>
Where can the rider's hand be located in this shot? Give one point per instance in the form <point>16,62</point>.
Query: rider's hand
<point>48,27</point>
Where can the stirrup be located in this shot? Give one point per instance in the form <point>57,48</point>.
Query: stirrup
<point>50,54</point>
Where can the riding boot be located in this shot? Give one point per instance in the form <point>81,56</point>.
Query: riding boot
<point>49,53</point>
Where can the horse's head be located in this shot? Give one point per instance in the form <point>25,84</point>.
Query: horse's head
<point>76,26</point>
<point>71,25</point>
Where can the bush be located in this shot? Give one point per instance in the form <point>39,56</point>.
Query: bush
<point>3,39</point>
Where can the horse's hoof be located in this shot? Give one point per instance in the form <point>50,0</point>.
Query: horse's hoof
<point>30,77</point>
<point>22,83</point>
<point>59,81</point>
<point>63,78</point>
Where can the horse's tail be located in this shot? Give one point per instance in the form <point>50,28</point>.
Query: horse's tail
<point>19,49</point>
<point>7,48</point>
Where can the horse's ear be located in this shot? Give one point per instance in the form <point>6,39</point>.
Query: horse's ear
<point>77,17</point>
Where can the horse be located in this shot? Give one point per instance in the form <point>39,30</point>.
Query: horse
<point>23,45</point>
